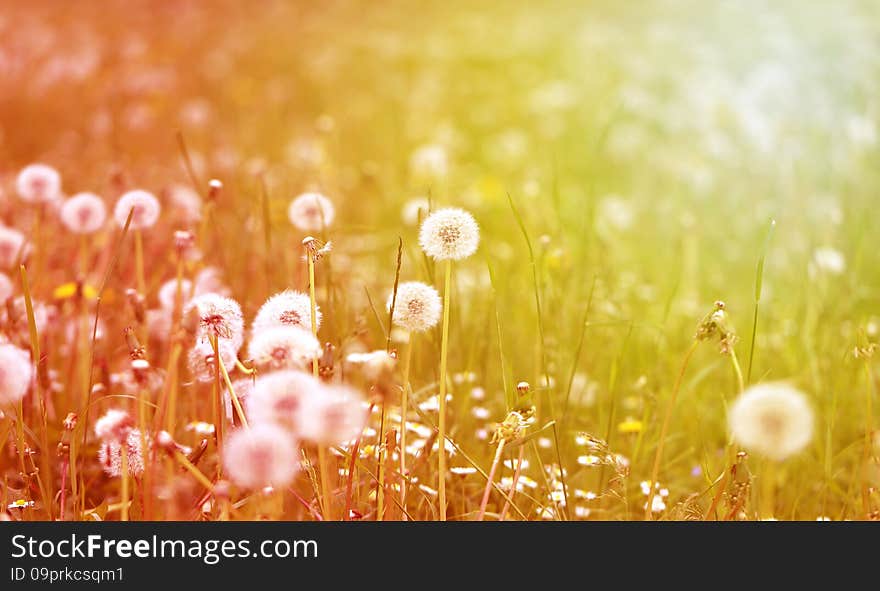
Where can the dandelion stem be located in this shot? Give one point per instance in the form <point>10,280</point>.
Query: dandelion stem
<point>236,403</point>
<point>441,419</point>
<point>139,261</point>
<point>404,408</point>
<point>655,470</point>
<point>869,432</point>
<point>216,395</point>
<point>498,451</point>
<point>516,474</point>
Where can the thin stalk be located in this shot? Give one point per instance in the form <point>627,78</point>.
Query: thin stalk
<point>768,490</point>
<point>322,453</point>
<point>380,487</point>
<point>183,461</point>
<point>497,460</point>
<point>516,475</point>
<point>236,403</point>
<point>655,470</point>
<point>139,261</point>
<point>216,396</point>
<point>404,407</point>
<point>441,419</point>
<point>869,432</point>
<point>759,280</point>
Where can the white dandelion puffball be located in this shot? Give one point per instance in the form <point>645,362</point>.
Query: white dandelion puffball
<point>277,397</point>
<point>110,454</point>
<point>38,183</point>
<point>12,246</point>
<point>114,425</point>
<point>429,161</point>
<point>16,373</point>
<point>288,308</point>
<point>218,315</point>
<point>449,233</point>
<point>311,212</point>
<point>829,260</point>
<point>333,417</point>
<point>773,420</point>
<point>201,358</point>
<point>5,288</point>
<point>84,213</point>
<point>417,307</point>
<point>415,210</point>
<point>146,209</point>
<point>262,455</point>
<point>168,292</point>
<point>283,347</point>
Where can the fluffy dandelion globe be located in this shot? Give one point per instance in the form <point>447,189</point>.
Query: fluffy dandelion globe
<point>773,420</point>
<point>263,455</point>
<point>38,183</point>
<point>828,260</point>
<point>277,397</point>
<point>114,425</point>
<point>283,347</point>
<point>415,210</point>
<point>146,209</point>
<point>12,246</point>
<point>429,161</point>
<point>334,416</point>
<point>5,288</point>
<point>311,212</point>
<point>218,315</point>
<point>16,372</point>
<point>417,307</point>
<point>288,308</point>
<point>84,213</point>
<point>201,358</point>
<point>168,292</point>
<point>449,234</point>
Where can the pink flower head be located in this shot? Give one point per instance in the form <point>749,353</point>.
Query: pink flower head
<point>115,425</point>
<point>311,212</point>
<point>84,213</point>
<point>146,209</point>
<point>287,308</point>
<point>263,455</point>
<point>201,358</point>
<point>334,416</point>
<point>277,397</point>
<point>12,246</point>
<point>38,183</point>
<point>283,347</point>
<point>220,316</point>
<point>16,373</point>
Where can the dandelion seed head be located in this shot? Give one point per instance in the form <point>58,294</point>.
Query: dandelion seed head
<point>262,455</point>
<point>38,183</point>
<point>12,244</point>
<point>5,287</point>
<point>311,212</point>
<point>114,425</point>
<point>277,397</point>
<point>828,260</point>
<point>16,373</point>
<point>287,308</point>
<point>429,161</point>
<point>168,292</point>
<point>186,201</point>
<point>84,213</point>
<point>449,234</point>
<point>332,417</point>
<point>283,347</point>
<point>218,315</point>
<point>202,361</point>
<point>415,210</point>
<point>418,306</point>
<point>772,419</point>
<point>146,209</point>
